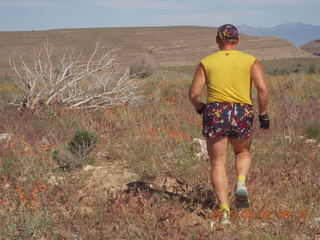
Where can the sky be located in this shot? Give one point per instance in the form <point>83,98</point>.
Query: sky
<point>25,15</point>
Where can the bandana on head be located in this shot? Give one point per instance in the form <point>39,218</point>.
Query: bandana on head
<point>227,31</point>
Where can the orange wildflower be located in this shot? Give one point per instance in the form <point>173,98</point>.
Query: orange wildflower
<point>23,198</point>
<point>44,187</point>
<point>19,190</point>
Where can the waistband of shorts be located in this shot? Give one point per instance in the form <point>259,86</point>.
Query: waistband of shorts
<point>230,103</point>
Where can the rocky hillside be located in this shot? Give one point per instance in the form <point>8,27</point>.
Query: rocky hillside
<point>296,32</point>
<point>268,48</point>
<point>312,47</point>
<point>168,46</point>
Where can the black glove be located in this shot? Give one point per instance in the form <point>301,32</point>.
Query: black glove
<point>201,109</point>
<point>264,121</point>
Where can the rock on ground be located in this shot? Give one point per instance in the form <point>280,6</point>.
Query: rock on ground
<point>201,148</point>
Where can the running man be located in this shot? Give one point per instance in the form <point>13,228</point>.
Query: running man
<point>228,114</point>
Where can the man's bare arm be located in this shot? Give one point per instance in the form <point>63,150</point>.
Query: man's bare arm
<point>195,90</point>
<point>257,76</point>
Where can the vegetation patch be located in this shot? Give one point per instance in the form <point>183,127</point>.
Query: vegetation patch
<point>75,154</point>
<point>166,191</point>
<point>143,66</point>
<point>313,130</point>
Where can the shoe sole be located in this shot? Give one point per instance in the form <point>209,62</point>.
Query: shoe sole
<point>222,222</point>
<point>242,200</point>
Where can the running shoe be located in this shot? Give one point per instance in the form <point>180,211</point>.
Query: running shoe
<point>223,221</point>
<point>241,194</point>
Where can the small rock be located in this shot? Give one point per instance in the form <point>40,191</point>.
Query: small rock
<point>76,237</point>
<point>265,224</point>
<point>317,220</point>
<point>201,148</point>
<point>52,180</point>
<point>5,137</point>
<point>102,154</point>
<point>198,155</point>
<point>45,141</point>
<point>201,145</point>
<point>88,168</point>
<point>310,141</point>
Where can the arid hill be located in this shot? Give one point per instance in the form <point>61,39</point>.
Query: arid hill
<point>312,47</point>
<point>168,46</point>
<point>296,32</point>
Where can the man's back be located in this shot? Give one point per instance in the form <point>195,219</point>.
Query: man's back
<point>228,76</point>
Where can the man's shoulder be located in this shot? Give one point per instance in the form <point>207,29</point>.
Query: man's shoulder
<point>213,55</point>
<point>246,54</point>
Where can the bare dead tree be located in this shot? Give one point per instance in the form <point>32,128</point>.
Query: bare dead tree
<point>73,81</point>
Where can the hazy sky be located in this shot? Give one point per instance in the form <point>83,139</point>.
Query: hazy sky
<point>51,14</point>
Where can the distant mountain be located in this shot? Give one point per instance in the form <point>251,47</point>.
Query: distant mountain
<point>312,47</point>
<point>298,33</point>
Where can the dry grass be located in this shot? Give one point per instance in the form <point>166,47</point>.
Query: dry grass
<point>292,65</point>
<point>155,142</point>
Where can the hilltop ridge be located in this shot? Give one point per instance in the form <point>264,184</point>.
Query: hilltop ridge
<point>168,46</point>
<point>312,47</point>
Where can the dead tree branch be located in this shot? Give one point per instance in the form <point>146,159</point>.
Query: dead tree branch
<point>73,81</point>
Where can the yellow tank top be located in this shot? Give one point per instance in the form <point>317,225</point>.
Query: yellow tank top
<point>228,76</point>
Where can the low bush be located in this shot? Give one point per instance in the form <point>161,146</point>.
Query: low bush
<point>313,131</point>
<point>76,152</point>
<point>82,143</point>
<point>143,67</point>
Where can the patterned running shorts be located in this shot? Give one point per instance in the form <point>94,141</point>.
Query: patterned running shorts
<point>233,120</point>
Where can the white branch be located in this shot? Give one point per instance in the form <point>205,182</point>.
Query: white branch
<point>77,83</point>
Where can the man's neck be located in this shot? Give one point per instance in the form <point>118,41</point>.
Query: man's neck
<point>229,47</point>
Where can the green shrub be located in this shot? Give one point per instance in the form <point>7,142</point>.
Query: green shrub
<point>312,69</point>
<point>313,131</point>
<point>275,72</point>
<point>284,71</point>
<point>82,143</point>
<point>75,154</point>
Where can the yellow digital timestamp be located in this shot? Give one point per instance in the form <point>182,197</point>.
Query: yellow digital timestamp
<point>263,214</point>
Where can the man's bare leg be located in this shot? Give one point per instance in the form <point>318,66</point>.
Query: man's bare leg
<point>241,147</point>
<point>217,150</point>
